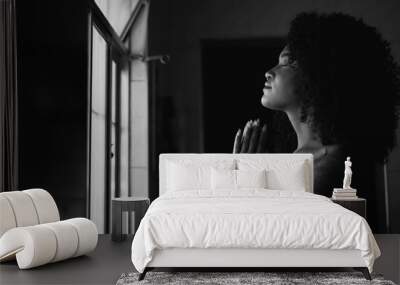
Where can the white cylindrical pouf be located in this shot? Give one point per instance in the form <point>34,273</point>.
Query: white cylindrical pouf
<point>67,240</point>
<point>7,218</point>
<point>34,245</point>
<point>23,208</point>
<point>45,205</point>
<point>87,234</point>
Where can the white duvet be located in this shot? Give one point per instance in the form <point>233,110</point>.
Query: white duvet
<point>250,218</point>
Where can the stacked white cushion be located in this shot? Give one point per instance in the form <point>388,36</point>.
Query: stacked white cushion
<point>32,246</point>
<point>66,236</point>
<point>23,208</point>
<point>52,242</point>
<point>45,205</point>
<point>31,232</point>
<point>87,235</point>
<point>7,218</point>
<point>27,208</point>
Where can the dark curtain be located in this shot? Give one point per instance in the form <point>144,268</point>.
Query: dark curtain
<point>8,96</point>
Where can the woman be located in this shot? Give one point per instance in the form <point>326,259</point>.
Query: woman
<point>338,84</point>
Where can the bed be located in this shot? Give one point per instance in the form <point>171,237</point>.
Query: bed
<point>246,211</point>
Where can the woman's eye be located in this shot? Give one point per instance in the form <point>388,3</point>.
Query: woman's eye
<point>288,63</point>
<point>284,64</point>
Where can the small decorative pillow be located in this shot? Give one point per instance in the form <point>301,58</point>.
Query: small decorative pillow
<point>251,178</point>
<point>223,179</point>
<point>237,179</point>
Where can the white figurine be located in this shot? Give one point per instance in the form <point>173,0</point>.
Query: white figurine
<point>347,174</point>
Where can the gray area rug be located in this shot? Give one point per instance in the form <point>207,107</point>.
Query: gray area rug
<point>225,278</point>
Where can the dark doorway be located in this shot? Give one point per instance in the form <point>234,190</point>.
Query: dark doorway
<point>233,79</point>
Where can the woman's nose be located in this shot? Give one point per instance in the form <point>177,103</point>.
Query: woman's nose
<point>269,75</point>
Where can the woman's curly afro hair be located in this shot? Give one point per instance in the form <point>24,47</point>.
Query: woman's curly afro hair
<point>349,81</point>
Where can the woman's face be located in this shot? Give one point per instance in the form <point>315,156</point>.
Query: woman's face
<point>280,86</point>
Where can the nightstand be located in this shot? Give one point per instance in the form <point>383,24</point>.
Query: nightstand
<point>358,205</point>
<point>138,205</point>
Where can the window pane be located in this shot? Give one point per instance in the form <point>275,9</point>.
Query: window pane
<point>98,131</point>
<point>124,127</point>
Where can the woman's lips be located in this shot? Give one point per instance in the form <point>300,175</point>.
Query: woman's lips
<point>267,90</point>
<point>267,87</point>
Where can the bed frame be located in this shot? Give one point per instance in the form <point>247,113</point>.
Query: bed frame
<point>243,259</point>
<point>246,258</point>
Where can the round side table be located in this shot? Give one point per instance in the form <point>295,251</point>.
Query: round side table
<point>138,205</point>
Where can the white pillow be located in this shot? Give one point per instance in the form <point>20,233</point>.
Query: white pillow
<point>237,179</point>
<point>251,178</point>
<point>282,174</point>
<point>193,174</point>
<point>223,179</point>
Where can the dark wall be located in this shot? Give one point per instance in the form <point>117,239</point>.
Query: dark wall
<point>52,98</point>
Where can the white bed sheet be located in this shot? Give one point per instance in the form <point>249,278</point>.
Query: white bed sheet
<point>250,218</point>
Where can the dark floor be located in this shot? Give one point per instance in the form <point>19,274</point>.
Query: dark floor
<point>111,259</point>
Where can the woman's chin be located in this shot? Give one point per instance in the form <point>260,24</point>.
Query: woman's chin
<point>266,102</point>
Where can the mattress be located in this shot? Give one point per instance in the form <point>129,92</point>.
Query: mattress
<point>251,219</point>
